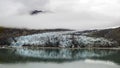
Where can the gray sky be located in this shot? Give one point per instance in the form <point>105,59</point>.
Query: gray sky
<point>73,14</point>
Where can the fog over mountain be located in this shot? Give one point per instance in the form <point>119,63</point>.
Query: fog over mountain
<point>71,14</point>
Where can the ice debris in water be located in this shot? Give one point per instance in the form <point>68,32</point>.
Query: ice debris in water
<point>61,39</point>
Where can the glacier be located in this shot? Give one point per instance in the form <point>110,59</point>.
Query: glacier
<point>63,39</point>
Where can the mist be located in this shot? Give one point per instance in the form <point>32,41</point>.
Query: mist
<point>70,14</point>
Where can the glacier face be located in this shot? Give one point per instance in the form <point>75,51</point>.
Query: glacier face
<point>61,39</point>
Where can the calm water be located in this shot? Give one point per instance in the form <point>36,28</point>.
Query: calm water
<point>59,58</point>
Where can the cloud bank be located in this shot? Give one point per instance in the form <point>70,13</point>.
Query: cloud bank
<point>73,14</point>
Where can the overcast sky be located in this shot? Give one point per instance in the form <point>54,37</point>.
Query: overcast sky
<point>71,14</point>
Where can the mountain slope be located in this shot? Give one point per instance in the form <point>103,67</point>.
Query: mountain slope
<point>113,34</point>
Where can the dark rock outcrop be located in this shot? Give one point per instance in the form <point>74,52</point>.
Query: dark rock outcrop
<point>36,12</point>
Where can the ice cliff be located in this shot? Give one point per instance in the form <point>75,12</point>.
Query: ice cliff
<point>62,39</point>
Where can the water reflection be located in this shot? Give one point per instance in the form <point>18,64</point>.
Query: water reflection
<point>69,54</point>
<point>22,55</point>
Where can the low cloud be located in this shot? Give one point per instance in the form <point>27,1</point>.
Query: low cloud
<point>73,14</point>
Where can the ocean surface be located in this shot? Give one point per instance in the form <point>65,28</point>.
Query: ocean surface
<point>59,58</point>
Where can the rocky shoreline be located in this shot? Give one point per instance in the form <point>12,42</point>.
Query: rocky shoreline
<point>65,38</point>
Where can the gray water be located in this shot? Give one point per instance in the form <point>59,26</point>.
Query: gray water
<point>59,58</point>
